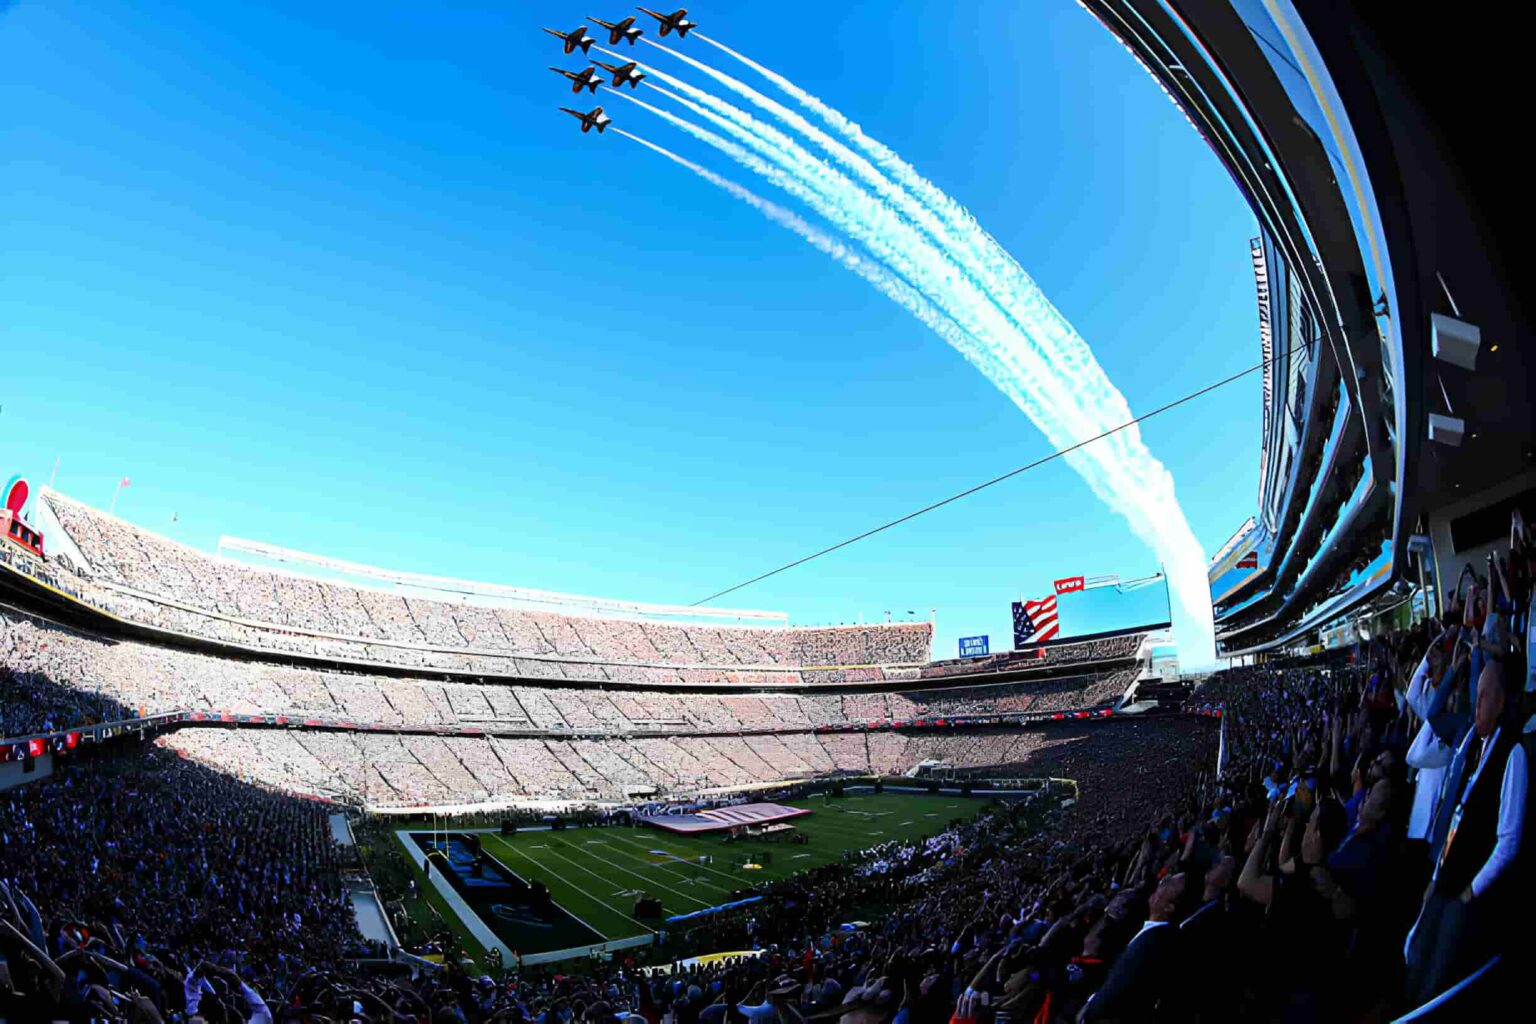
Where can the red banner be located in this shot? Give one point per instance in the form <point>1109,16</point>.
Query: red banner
<point>1071,583</point>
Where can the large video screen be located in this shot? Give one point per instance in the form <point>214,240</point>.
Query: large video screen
<point>1129,607</point>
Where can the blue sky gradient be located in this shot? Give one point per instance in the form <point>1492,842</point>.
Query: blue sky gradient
<point>341,277</point>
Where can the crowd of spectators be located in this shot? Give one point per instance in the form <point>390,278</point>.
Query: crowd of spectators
<point>132,885</point>
<point>1103,649</point>
<point>32,704</point>
<point>144,887</point>
<point>1052,693</point>
<point>1352,847</point>
<point>95,675</point>
<point>1283,887</point>
<point>402,770</point>
<point>156,581</point>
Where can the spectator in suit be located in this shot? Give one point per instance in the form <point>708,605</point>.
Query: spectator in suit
<point>1463,919</point>
<point>1209,949</point>
<point>1144,975</point>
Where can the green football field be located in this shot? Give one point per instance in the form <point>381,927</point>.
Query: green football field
<point>596,874</point>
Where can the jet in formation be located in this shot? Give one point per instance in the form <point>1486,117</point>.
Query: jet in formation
<point>620,30</point>
<point>623,73</point>
<point>574,38</point>
<point>586,78</point>
<point>677,21</point>
<point>594,118</point>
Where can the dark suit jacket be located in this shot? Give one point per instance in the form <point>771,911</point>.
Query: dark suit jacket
<point>1139,979</point>
<point>1208,941</point>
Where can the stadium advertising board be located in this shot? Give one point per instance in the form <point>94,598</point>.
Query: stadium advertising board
<point>1249,551</point>
<point>974,646</point>
<point>1080,608</point>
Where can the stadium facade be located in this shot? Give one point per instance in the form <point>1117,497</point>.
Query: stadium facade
<point>1391,414</point>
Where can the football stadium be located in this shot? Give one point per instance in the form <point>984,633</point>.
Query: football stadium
<point>1280,773</point>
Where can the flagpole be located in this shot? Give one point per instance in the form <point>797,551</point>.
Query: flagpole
<point>55,474</point>
<point>112,509</point>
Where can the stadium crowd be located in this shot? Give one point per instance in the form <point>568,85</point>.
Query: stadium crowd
<point>1111,648</point>
<point>31,704</point>
<point>393,770</point>
<point>150,579</point>
<point>1357,848</point>
<point>1283,888</point>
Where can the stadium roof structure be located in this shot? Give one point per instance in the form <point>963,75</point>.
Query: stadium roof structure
<point>1360,209</point>
<point>448,584</point>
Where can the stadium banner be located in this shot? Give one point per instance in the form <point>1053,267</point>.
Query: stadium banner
<point>1092,612</point>
<point>21,748</point>
<point>1069,585</point>
<point>1239,561</point>
<point>974,646</point>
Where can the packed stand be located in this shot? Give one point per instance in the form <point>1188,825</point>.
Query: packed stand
<point>142,886</point>
<point>1355,848</point>
<point>404,770</point>
<point>32,705</point>
<point>159,582</point>
<point>1283,888</point>
<point>1054,693</point>
<point>94,673</point>
<point>1113,648</point>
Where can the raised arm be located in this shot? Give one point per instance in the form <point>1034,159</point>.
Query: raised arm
<point>1254,883</point>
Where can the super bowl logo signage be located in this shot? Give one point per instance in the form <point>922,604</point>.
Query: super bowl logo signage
<point>16,494</point>
<point>1069,584</point>
<point>974,646</point>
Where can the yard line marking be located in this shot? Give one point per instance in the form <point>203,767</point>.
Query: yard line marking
<point>541,866</point>
<point>503,865</point>
<point>705,867</point>
<point>652,881</point>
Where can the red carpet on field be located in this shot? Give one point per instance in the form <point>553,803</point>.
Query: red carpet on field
<point>722,818</point>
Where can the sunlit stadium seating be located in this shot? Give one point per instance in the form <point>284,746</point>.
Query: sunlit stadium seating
<point>155,581</point>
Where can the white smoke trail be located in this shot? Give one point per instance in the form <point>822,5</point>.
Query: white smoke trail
<point>876,274</point>
<point>954,242</point>
<point>889,284</point>
<point>1138,485</point>
<point>1016,369</point>
<point>962,239</point>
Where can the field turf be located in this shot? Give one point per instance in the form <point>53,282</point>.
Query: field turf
<point>595,874</point>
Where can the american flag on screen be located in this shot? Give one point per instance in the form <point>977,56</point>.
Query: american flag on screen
<point>1035,621</point>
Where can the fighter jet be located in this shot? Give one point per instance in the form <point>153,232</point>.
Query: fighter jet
<point>586,78</point>
<point>623,73</point>
<point>623,30</point>
<point>574,38</point>
<point>594,118</point>
<point>677,21</point>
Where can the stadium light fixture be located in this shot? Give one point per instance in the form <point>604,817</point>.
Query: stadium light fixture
<point>1447,430</point>
<point>1454,341</point>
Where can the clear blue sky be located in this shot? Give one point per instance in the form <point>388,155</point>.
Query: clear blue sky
<point>339,276</point>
